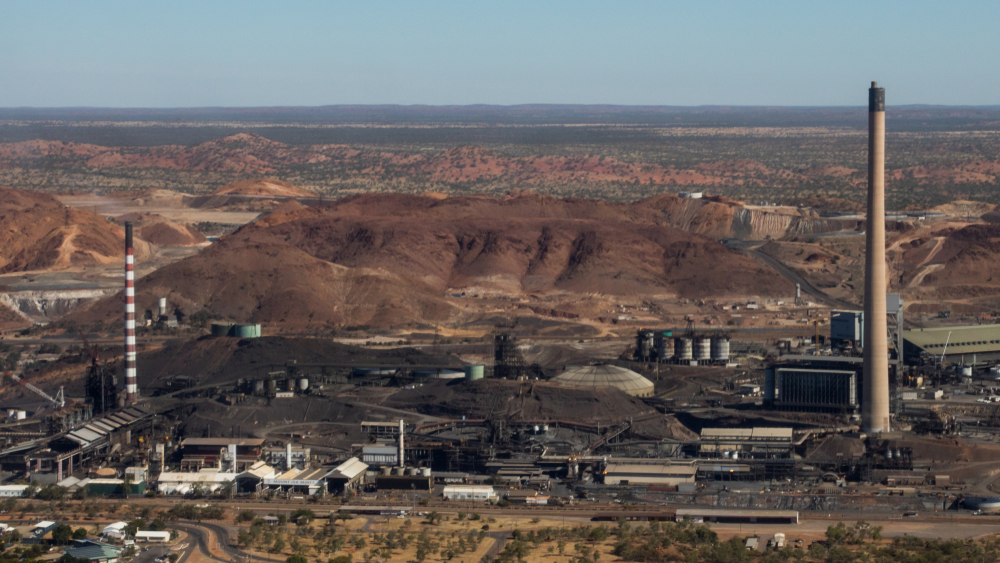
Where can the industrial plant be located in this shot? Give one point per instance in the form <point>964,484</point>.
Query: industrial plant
<point>813,407</point>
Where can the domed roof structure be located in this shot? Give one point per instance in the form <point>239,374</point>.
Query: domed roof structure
<point>606,376</point>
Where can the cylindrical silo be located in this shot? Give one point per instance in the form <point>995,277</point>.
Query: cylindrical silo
<point>425,471</point>
<point>683,348</point>
<point>272,386</point>
<point>473,373</point>
<point>412,471</point>
<point>386,471</point>
<point>665,348</point>
<point>258,387</point>
<point>645,344</point>
<point>304,384</point>
<point>162,305</point>
<point>720,349</point>
<point>702,348</point>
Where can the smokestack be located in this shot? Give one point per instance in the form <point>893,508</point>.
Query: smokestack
<point>875,403</point>
<point>288,456</point>
<point>131,383</point>
<point>402,451</point>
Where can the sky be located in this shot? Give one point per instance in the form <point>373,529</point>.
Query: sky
<point>686,53</point>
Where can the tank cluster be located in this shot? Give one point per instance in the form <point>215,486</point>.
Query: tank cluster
<point>411,471</point>
<point>684,349</point>
<point>273,386</point>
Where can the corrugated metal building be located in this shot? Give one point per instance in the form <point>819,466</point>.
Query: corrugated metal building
<point>954,342</point>
<point>649,474</point>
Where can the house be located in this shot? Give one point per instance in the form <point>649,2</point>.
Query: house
<point>115,531</point>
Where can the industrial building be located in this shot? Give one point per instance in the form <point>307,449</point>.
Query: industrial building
<point>954,344</point>
<point>304,481</point>
<point>649,474</point>
<point>347,476</point>
<point>199,453</point>
<point>745,443</point>
<point>847,328</point>
<point>606,376</point>
<point>469,492</point>
<point>805,389</point>
<point>182,483</point>
<point>279,457</point>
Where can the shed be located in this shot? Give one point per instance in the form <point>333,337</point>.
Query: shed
<point>152,536</point>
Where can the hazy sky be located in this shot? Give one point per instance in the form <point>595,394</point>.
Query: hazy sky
<point>692,52</point>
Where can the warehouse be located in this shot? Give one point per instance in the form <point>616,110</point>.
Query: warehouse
<point>305,481</point>
<point>346,476</point>
<point>252,480</point>
<point>953,343</point>
<point>182,483</point>
<point>469,492</point>
<point>648,474</point>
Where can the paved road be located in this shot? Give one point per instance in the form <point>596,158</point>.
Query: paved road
<point>807,287</point>
<point>197,540</point>
<point>151,553</point>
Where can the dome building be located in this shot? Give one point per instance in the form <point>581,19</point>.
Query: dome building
<point>585,377</point>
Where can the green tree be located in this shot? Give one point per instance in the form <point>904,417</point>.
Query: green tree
<point>61,534</point>
<point>80,534</point>
<point>296,559</point>
<point>279,545</point>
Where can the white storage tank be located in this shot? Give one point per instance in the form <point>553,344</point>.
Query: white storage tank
<point>683,348</point>
<point>702,348</point>
<point>720,349</point>
<point>304,384</point>
<point>665,349</point>
<point>425,471</point>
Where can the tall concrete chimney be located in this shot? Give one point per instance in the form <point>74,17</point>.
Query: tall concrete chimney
<point>288,457</point>
<point>131,383</point>
<point>875,403</point>
<point>402,451</point>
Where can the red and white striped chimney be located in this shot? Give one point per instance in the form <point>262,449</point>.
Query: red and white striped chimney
<point>131,384</point>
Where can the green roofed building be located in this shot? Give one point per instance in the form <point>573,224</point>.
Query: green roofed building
<point>954,342</point>
<point>94,551</point>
